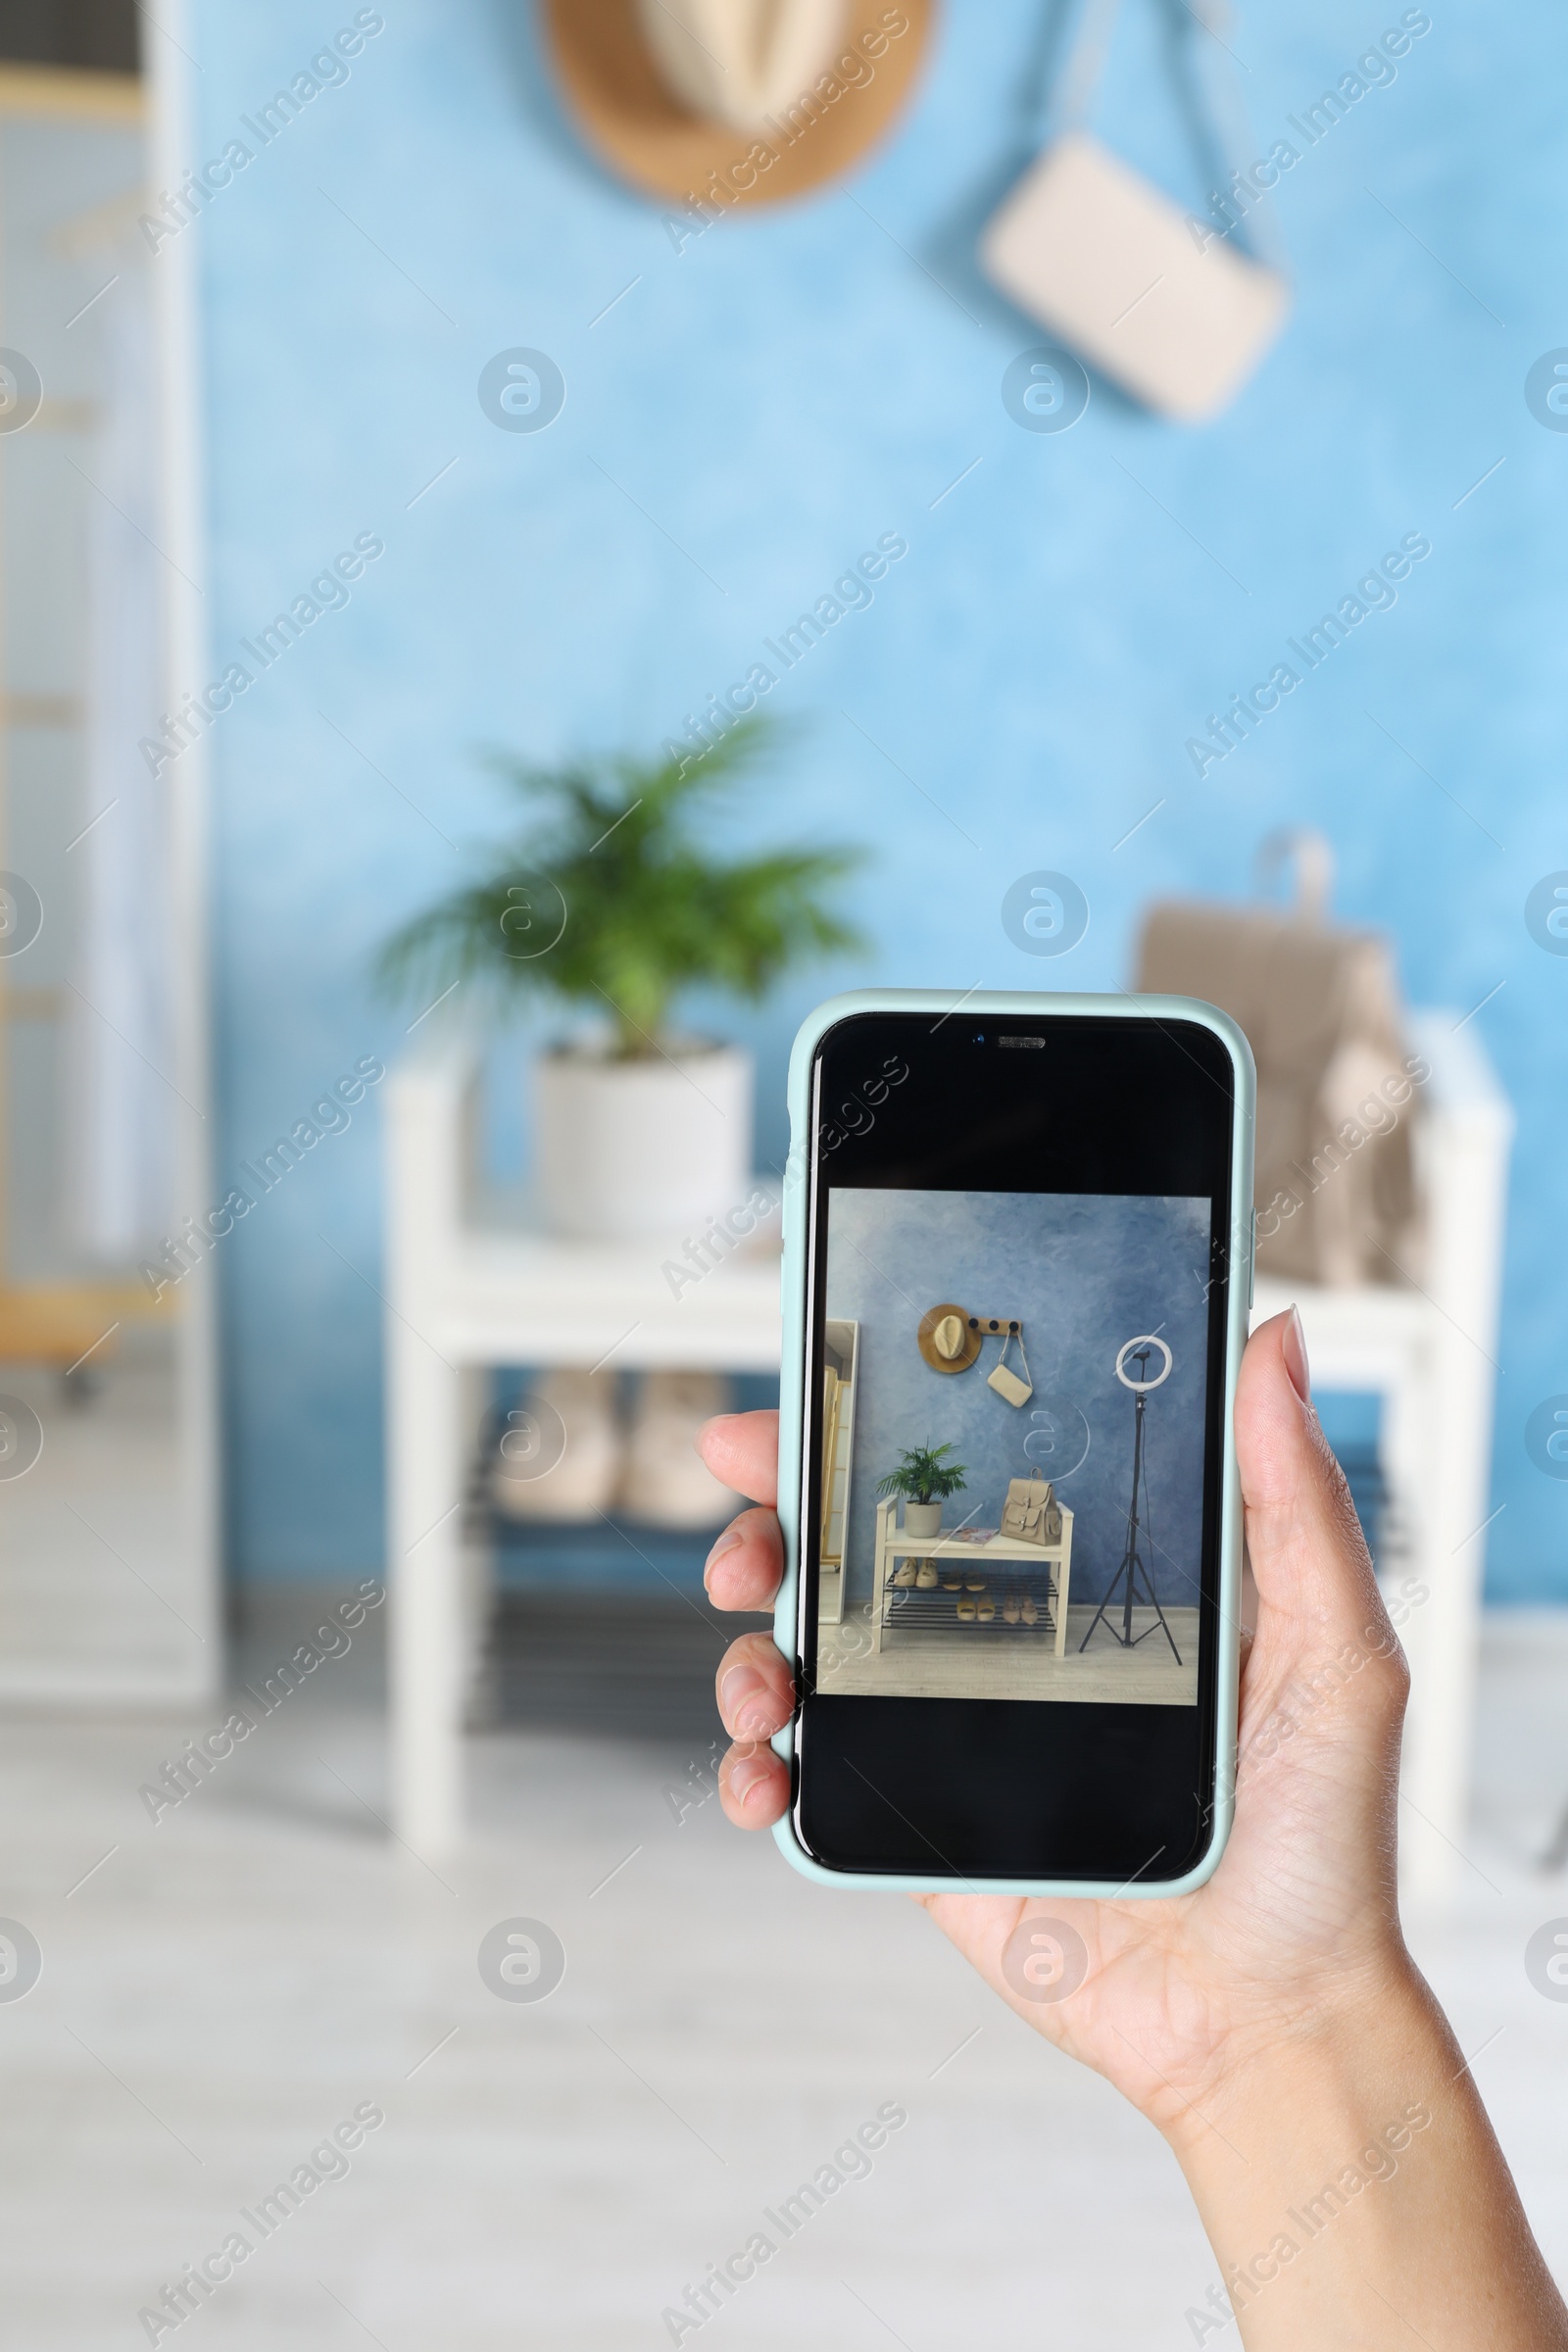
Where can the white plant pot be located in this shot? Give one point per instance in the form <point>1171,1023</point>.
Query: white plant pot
<point>922,1520</point>
<point>626,1149</point>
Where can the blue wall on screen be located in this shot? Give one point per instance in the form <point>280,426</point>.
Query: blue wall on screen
<point>1082,1273</point>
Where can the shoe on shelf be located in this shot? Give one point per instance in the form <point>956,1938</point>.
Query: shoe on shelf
<point>662,1480</point>
<point>927,1577</point>
<point>1031,1615</point>
<point>953,1583</point>
<point>905,1575</point>
<point>558,1454</point>
<point>985,1611</point>
<point>1011,1609</point>
<point>966,1613</point>
<point>976,1583</point>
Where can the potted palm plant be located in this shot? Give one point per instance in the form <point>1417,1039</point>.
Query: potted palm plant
<point>607,901</point>
<point>925,1479</point>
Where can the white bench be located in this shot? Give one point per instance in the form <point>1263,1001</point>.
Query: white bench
<point>893,1543</point>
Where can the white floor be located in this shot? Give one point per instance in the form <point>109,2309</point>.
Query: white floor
<point>101,1593</point>
<point>232,1983</point>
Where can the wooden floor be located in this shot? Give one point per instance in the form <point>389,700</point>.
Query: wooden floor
<point>970,1663</point>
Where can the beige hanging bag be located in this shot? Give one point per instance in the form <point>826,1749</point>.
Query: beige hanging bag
<point>1003,1379</point>
<point>1170,308</point>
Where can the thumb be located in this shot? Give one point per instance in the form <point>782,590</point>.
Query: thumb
<point>1308,1555</point>
<point>1324,1682</point>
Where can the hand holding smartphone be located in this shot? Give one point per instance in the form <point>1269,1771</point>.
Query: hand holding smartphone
<point>1270,2022</point>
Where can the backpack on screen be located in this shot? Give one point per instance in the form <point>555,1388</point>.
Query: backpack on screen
<point>1031,1513</point>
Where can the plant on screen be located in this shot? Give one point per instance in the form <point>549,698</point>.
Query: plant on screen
<point>923,1475</point>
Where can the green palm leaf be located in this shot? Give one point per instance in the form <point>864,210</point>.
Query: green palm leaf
<point>610,898</point>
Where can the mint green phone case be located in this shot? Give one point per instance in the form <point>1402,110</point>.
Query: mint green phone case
<point>788,1629</point>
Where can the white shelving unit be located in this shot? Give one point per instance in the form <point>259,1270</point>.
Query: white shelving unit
<point>471,1285</point>
<point>1429,1353</point>
<point>1052,1564</point>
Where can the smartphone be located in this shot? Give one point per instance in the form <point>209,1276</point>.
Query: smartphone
<point>1017,1267</point>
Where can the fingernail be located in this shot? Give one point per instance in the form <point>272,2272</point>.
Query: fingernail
<point>1293,1347</point>
<point>746,1773</point>
<point>726,1543</point>
<point>742,1695</point>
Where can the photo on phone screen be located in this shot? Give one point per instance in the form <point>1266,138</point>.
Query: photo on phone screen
<point>1018,1317</point>
<point>987,1345</point>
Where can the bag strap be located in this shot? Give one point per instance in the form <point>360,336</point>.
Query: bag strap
<point>1216,93</point>
<point>1059,101</point>
<point>1309,856</point>
<point>1083,66</point>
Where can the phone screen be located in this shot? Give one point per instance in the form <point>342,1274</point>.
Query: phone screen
<point>1010,1492</point>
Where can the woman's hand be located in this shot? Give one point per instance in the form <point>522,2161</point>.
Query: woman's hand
<point>1300,1922</point>
<point>1272,2023</point>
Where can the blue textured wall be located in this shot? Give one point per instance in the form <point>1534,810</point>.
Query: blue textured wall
<point>753,411</point>
<point>1082,1273</point>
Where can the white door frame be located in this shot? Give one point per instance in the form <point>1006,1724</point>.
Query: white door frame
<point>172,133</point>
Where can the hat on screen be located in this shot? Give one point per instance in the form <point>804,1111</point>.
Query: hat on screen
<point>947,1339</point>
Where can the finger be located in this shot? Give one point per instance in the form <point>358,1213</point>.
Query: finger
<point>745,1565</point>
<point>754,1688</point>
<point>754,1786</point>
<point>1308,1555</point>
<point>742,1450</point>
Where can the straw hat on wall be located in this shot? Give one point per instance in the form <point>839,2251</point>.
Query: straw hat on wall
<point>722,103</point>
<point>947,1339</point>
